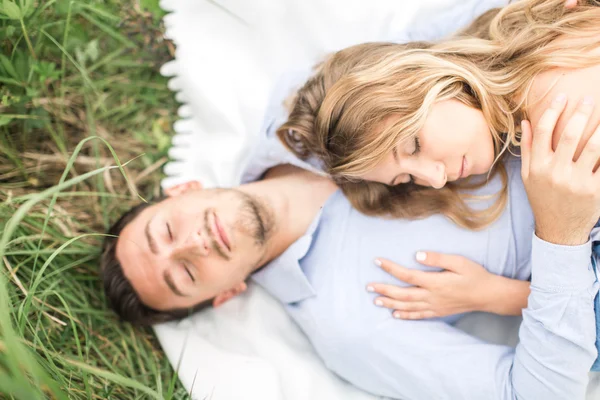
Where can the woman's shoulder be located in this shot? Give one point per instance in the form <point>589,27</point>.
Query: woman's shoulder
<point>571,81</point>
<point>574,83</point>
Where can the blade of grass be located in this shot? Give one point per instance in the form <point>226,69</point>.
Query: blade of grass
<point>108,30</point>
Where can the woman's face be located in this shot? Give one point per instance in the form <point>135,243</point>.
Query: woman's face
<point>455,142</point>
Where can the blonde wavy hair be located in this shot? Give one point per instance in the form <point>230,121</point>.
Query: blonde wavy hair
<point>489,66</point>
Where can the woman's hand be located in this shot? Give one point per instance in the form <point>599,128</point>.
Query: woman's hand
<point>463,286</point>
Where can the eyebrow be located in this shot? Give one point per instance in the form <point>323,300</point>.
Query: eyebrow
<point>151,241</point>
<point>171,284</point>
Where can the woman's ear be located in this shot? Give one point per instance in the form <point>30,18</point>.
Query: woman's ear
<point>229,294</point>
<point>182,188</point>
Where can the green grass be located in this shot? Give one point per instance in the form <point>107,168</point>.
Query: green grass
<point>78,78</point>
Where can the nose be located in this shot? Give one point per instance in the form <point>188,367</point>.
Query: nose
<point>194,244</point>
<point>431,173</point>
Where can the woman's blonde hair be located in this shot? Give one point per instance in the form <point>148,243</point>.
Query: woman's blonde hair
<point>489,66</point>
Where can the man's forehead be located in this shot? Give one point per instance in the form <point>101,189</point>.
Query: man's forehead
<point>138,224</point>
<point>132,248</point>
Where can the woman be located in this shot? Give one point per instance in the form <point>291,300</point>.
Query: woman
<point>400,127</point>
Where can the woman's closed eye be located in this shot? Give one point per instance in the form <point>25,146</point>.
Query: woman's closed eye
<point>416,150</point>
<point>417,147</point>
<point>409,178</point>
<point>413,151</point>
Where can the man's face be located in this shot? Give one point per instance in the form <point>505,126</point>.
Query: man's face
<point>193,246</point>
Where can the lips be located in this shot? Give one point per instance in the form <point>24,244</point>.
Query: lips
<point>221,234</point>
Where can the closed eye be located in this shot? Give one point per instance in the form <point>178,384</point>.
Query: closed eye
<point>416,150</point>
<point>169,231</point>
<point>417,147</point>
<point>189,273</point>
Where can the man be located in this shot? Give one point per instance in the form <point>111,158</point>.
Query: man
<point>313,252</point>
<point>198,247</point>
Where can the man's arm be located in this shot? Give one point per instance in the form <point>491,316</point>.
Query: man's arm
<point>443,24</point>
<point>430,359</point>
<point>470,18</point>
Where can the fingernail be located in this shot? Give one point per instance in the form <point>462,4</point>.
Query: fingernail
<point>421,256</point>
<point>378,303</point>
<point>396,315</point>
<point>370,289</point>
<point>588,100</point>
<point>377,262</point>
<point>560,98</point>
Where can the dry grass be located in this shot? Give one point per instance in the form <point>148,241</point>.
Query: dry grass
<point>71,70</point>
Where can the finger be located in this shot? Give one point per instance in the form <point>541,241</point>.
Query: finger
<point>591,152</point>
<point>570,3</point>
<point>525,148</point>
<point>399,293</point>
<point>412,315</point>
<point>392,304</point>
<point>410,276</point>
<point>541,142</point>
<point>450,262</point>
<point>571,135</point>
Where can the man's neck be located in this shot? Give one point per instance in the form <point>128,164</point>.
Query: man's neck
<point>294,197</point>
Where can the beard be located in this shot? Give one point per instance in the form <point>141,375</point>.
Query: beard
<point>255,219</point>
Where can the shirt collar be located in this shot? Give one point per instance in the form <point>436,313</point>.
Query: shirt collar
<point>283,277</point>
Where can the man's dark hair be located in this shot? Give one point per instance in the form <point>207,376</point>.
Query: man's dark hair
<point>120,293</point>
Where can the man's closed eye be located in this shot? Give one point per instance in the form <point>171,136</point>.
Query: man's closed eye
<point>169,231</point>
<point>187,270</point>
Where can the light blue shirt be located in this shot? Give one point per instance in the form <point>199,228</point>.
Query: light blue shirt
<point>321,281</point>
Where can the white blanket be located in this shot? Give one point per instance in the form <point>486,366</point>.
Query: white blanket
<point>229,54</point>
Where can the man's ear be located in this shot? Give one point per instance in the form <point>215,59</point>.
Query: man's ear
<point>182,188</point>
<point>229,294</point>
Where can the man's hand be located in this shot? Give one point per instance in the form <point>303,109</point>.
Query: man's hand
<point>564,193</point>
<point>570,3</point>
<point>574,3</point>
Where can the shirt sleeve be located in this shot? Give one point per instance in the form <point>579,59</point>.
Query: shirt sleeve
<point>432,27</point>
<point>431,359</point>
